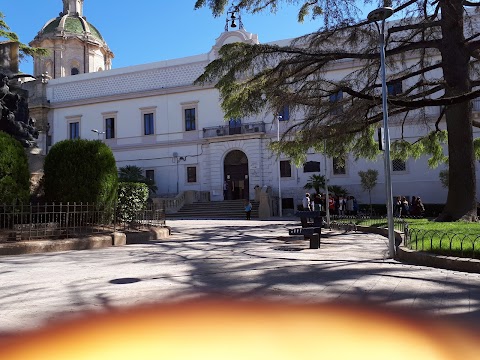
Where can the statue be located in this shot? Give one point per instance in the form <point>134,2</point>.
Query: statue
<point>14,115</point>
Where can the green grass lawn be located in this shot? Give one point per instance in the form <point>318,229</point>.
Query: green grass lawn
<point>447,238</point>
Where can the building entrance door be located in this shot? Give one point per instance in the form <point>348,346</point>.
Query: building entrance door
<point>235,172</point>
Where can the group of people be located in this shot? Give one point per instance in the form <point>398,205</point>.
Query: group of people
<point>337,205</point>
<point>404,208</point>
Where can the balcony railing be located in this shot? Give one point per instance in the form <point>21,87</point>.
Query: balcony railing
<point>226,130</point>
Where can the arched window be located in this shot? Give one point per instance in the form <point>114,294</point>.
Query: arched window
<point>74,71</point>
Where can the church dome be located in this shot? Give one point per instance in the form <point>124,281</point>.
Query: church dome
<point>74,45</point>
<point>70,26</point>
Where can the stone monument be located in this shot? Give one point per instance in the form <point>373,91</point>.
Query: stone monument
<point>14,114</point>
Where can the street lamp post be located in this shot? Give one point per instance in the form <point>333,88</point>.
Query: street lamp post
<point>98,133</point>
<point>327,196</point>
<point>375,16</point>
<point>280,211</point>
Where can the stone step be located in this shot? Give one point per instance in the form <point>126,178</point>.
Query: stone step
<point>228,209</point>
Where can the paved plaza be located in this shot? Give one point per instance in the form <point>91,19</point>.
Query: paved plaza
<point>227,258</point>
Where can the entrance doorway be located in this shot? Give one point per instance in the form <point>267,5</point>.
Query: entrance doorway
<point>235,168</point>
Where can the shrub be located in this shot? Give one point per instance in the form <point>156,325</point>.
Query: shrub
<point>14,173</point>
<point>81,171</point>
<point>132,198</point>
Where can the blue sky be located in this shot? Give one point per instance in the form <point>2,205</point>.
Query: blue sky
<point>151,30</point>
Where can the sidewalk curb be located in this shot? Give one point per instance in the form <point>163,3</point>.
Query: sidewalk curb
<point>86,243</point>
<point>438,261</point>
<point>414,257</point>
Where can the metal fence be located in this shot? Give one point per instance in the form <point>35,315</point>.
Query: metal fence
<point>438,242</point>
<point>68,220</point>
<point>443,242</point>
<point>349,222</point>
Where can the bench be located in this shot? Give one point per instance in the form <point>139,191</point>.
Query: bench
<point>310,230</point>
<point>311,233</point>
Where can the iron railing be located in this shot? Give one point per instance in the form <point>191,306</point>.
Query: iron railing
<point>68,220</point>
<point>434,241</point>
<point>443,242</point>
<point>224,130</point>
<point>348,222</point>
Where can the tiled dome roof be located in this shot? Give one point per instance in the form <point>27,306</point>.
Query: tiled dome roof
<point>69,25</point>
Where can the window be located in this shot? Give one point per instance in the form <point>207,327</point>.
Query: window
<point>336,97</point>
<point>399,165</point>
<point>150,175</point>
<point>74,71</point>
<point>284,113</point>
<point>235,126</point>
<point>148,117</point>
<point>191,174</point>
<point>110,128</point>
<point>394,88</point>
<point>339,166</point>
<point>74,130</point>
<point>190,114</point>
<point>311,166</point>
<point>285,168</point>
<point>148,124</point>
<point>189,119</point>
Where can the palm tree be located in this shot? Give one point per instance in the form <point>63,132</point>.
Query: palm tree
<point>338,190</point>
<point>132,173</point>
<point>316,182</point>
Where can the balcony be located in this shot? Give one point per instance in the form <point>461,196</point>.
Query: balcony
<point>227,130</point>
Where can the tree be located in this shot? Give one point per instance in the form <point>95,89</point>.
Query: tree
<point>134,174</point>
<point>368,180</point>
<point>14,174</point>
<point>316,182</point>
<point>432,61</point>
<point>81,171</point>
<point>5,33</point>
<point>337,190</point>
<point>443,176</point>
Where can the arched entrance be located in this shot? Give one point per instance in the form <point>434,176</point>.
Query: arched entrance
<point>235,172</point>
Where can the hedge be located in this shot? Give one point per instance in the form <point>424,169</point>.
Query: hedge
<point>81,171</point>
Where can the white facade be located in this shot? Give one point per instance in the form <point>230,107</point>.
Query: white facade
<point>164,92</point>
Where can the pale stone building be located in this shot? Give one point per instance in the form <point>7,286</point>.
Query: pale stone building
<point>153,116</point>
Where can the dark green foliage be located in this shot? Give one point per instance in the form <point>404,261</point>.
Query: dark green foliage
<point>81,171</point>
<point>316,182</point>
<point>134,174</point>
<point>6,34</point>
<point>338,190</point>
<point>132,197</point>
<point>14,174</point>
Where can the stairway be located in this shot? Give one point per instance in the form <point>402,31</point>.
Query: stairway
<point>227,209</point>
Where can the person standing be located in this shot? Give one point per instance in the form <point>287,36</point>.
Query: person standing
<point>341,206</point>
<point>225,190</point>
<point>248,209</point>
<point>306,202</point>
<point>349,205</point>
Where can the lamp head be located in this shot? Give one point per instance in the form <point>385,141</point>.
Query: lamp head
<point>380,14</point>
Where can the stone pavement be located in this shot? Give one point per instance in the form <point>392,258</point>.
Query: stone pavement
<point>227,258</point>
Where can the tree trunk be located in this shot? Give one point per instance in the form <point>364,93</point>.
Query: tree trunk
<point>461,199</point>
